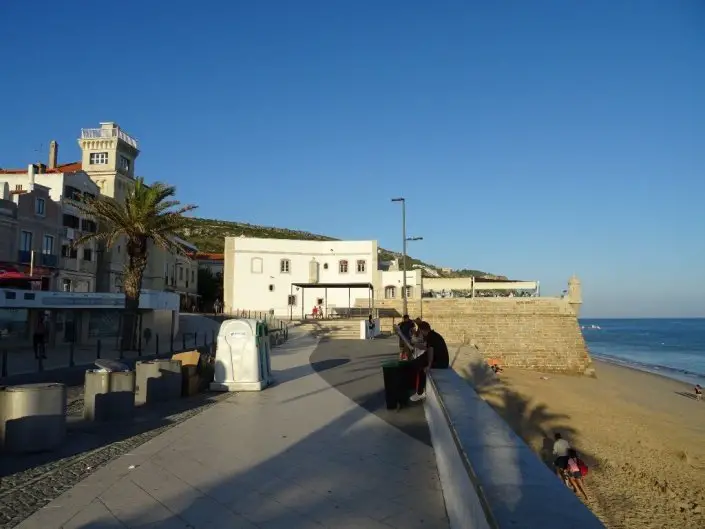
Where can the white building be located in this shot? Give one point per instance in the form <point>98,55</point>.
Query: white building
<point>290,277</point>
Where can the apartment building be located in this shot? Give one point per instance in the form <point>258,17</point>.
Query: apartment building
<point>75,269</point>
<point>8,226</point>
<point>34,243</point>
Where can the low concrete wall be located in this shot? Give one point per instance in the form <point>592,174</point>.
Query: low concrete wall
<point>464,506</point>
<point>500,474</point>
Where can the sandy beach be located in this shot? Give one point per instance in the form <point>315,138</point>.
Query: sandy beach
<point>642,435</point>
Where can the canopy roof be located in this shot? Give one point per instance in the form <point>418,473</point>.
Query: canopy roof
<point>334,285</point>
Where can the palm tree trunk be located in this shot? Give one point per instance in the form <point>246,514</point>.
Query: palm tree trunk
<point>132,285</point>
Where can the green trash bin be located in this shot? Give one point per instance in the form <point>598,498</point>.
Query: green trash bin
<point>398,385</point>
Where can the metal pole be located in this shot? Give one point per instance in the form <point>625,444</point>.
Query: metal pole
<point>403,227</point>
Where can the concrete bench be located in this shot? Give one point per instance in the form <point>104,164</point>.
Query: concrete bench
<point>490,477</point>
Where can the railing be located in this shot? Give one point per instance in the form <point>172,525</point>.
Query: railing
<point>79,265</point>
<point>48,260</point>
<point>91,134</point>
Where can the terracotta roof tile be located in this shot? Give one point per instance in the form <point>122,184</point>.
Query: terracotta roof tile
<point>210,256</point>
<point>62,168</point>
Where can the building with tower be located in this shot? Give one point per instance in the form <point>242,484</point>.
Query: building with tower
<point>107,167</point>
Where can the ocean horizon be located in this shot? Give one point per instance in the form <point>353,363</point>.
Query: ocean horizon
<point>671,347</point>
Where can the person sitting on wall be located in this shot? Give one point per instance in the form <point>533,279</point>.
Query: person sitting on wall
<point>416,337</point>
<point>435,356</point>
<point>406,327</point>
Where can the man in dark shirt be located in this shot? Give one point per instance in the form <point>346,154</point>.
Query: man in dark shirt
<point>406,328</point>
<point>435,356</point>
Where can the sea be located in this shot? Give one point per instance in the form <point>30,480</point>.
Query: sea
<point>674,348</point>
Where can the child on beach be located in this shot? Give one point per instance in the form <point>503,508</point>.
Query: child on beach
<point>575,476</point>
<point>698,392</point>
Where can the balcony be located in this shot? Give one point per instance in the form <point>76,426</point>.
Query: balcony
<point>49,260</point>
<point>114,132</point>
<point>78,265</point>
<point>40,259</point>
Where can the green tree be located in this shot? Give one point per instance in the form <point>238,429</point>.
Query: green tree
<point>149,213</point>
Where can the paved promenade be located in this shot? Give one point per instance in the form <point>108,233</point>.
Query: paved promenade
<point>318,449</point>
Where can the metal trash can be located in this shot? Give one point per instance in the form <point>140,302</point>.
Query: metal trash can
<point>398,384</point>
<point>32,417</point>
<point>109,395</point>
<point>157,381</point>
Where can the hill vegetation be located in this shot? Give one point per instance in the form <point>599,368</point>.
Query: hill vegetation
<point>208,235</point>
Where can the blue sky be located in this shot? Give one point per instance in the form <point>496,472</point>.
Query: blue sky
<point>532,139</point>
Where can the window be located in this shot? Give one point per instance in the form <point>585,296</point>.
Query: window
<point>26,241</point>
<point>409,292</point>
<point>124,164</point>
<point>361,266</point>
<point>66,285</point>
<point>48,248</point>
<point>256,265</point>
<point>68,251</point>
<point>71,193</point>
<point>325,266</point>
<point>72,221</point>
<point>193,276</point>
<point>390,292</point>
<point>87,254</point>
<point>343,267</point>
<point>291,300</point>
<point>89,225</point>
<point>99,158</point>
<point>39,206</point>
<point>271,288</point>
<point>166,273</point>
<point>181,273</point>
<point>18,187</point>
<point>285,266</point>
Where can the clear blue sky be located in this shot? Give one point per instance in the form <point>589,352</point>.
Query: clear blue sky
<point>532,139</point>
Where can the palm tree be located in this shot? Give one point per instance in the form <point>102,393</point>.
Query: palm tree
<point>149,213</point>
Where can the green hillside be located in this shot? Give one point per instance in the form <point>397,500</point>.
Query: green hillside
<point>209,236</point>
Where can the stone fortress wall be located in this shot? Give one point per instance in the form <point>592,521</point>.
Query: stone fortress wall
<point>540,333</point>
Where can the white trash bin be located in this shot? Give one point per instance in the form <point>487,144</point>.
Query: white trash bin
<point>239,365</point>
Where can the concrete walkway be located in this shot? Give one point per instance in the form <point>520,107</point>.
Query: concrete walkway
<point>318,449</point>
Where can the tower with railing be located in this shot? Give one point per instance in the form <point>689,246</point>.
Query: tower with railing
<point>108,157</point>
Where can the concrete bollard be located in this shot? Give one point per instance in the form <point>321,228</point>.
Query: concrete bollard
<point>157,380</point>
<point>32,417</point>
<point>109,395</point>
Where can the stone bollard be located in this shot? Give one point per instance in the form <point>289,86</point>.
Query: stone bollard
<point>109,395</point>
<point>32,417</point>
<point>157,381</point>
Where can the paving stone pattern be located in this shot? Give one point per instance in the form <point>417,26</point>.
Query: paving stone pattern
<point>22,493</point>
<point>301,454</point>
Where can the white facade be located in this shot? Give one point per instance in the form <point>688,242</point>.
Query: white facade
<point>259,274</point>
<point>392,283</point>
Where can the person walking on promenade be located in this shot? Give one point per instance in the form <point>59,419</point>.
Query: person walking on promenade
<point>435,356</point>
